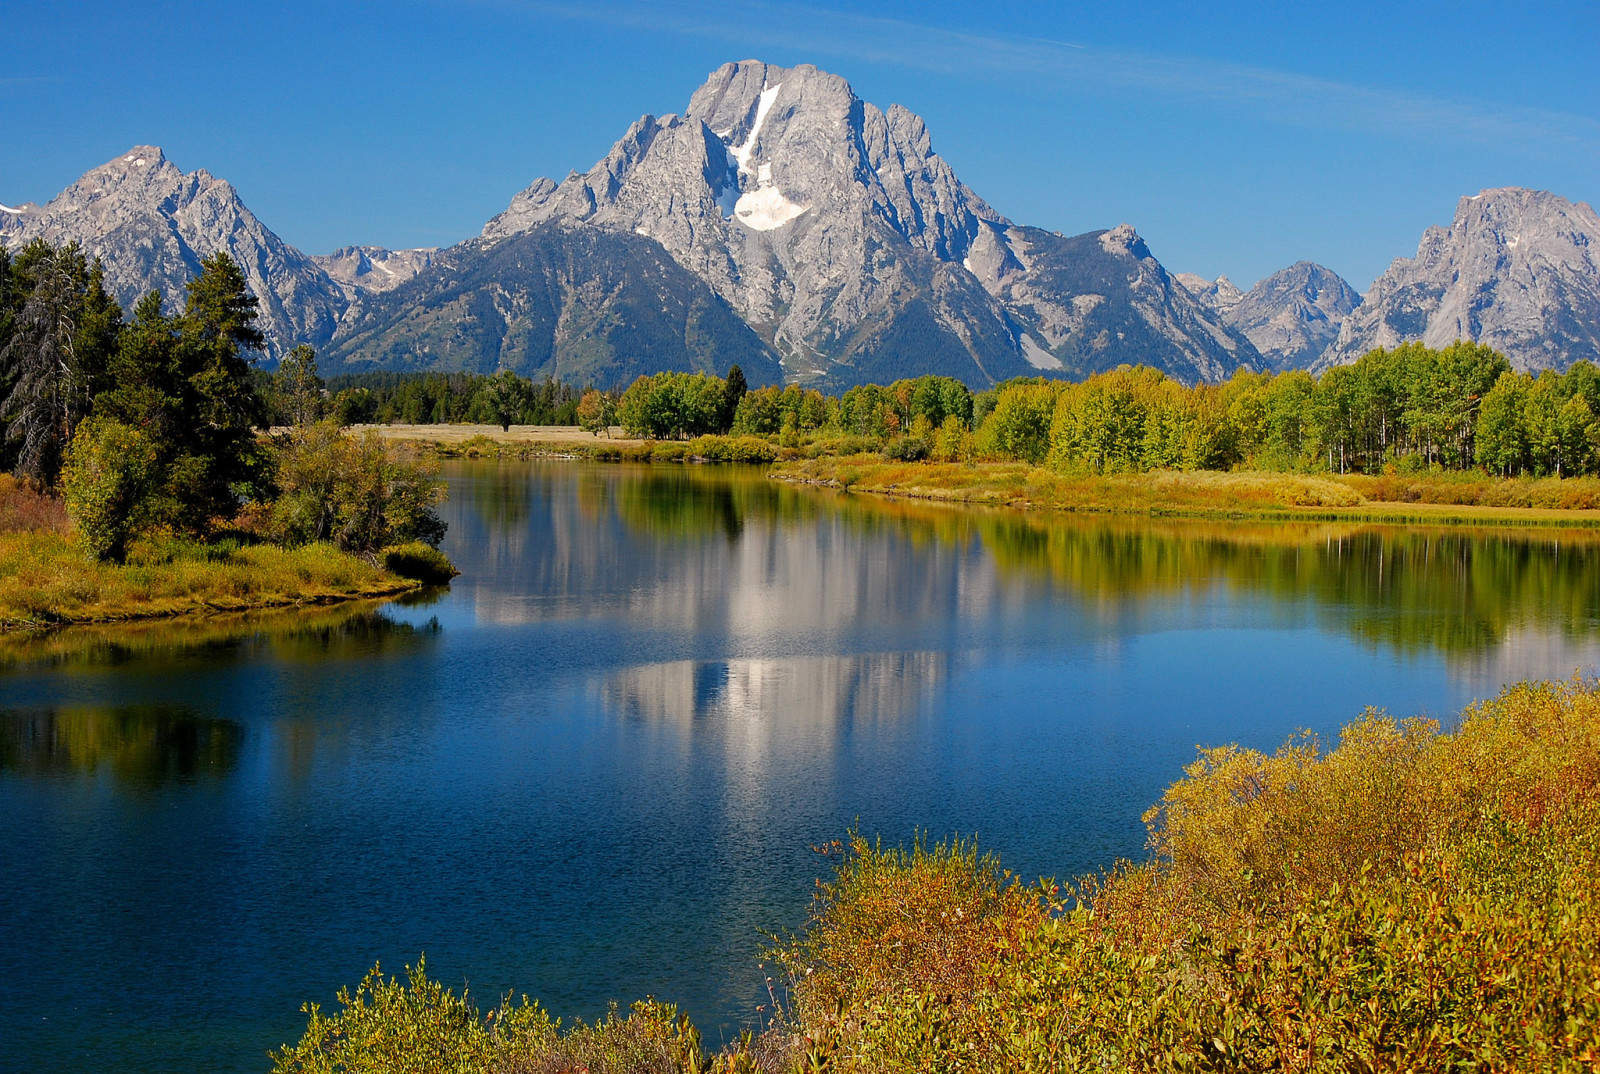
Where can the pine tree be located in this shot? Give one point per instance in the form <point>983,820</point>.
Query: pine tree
<point>733,390</point>
<point>217,338</point>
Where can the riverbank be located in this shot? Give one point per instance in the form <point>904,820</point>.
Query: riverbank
<point>1430,499</point>
<point>46,581</point>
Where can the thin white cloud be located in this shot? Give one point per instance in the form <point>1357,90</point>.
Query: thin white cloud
<point>1274,96</point>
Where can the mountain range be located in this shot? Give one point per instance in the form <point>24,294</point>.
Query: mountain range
<point>781,222</point>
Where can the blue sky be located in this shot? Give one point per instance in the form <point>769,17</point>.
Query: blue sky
<point>1237,138</point>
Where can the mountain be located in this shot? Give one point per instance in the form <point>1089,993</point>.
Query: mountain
<point>585,305</point>
<point>1518,270</point>
<point>1221,294</point>
<point>361,269</point>
<point>1291,316</point>
<point>151,224</point>
<point>850,246</point>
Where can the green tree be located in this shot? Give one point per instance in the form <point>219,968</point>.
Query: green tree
<point>298,389</point>
<point>217,341</point>
<point>1502,435</point>
<point>501,399</point>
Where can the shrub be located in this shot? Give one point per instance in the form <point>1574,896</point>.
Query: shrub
<point>361,493</point>
<point>110,471</point>
<point>746,449</point>
<point>419,561</point>
<point>421,1027</point>
<point>906,449</point>
<point>1407,901</point>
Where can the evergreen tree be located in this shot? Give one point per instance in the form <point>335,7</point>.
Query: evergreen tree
<point>217,338</point>
<point>733,390</point>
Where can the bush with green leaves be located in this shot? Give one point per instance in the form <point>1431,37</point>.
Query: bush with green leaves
<point>358,492</point>
<point>110,471</point>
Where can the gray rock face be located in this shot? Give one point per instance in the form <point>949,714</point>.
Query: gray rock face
<point>845,241</point>
<point>362,270</point>
<point>1518,270</point>
<point>1101,300</point>
<point>1220,294</point>
<point>585,305</point>
<point>1291,316</point>
<point>150,224</point>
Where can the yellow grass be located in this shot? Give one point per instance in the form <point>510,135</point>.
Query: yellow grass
<point>45,579</point>
<point>1239,494</point>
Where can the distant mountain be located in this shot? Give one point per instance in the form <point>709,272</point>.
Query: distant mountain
<point>1220,294</point>
<point>1518,270</point>
<point>151,224</point>
<point>1291,316</point>
<point>360,269</point>
<point>1101,300</point>
<point>850,246</point>
<point>586,306</point>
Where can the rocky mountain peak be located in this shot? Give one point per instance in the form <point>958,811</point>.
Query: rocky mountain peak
<point>1123,239</point>
<point>1293,315</point>
<point>1517,269</point>
<point>151,224</point>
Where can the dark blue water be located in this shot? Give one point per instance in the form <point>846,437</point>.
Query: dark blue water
<point>595,767</point>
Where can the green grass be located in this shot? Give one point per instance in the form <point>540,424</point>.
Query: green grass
<point>46,580</point>
<point>1443,499</point>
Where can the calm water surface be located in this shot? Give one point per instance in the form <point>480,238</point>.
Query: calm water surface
<point>594,768</point>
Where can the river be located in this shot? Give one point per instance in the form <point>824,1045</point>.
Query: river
<point>595,767</point>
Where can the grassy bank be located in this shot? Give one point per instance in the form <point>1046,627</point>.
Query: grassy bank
<point>1410,900</point>
<point>46,580</point>
<point>1442,499</point>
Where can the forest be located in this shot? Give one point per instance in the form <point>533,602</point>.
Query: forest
<point>147,430</point>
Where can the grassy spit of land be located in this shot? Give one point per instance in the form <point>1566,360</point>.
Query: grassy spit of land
<point>1432,499</point>
<point>46,580</point>
<point>1411,900</point>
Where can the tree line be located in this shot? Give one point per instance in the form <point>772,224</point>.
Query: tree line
<point>503,398</point>
<point>1410,408</point>
<point>149,422</point>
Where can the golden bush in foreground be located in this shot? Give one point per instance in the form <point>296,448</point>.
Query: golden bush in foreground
<point>1408,901</point>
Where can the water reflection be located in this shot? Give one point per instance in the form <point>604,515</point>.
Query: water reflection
<point>652,690</point>
<point>827,694</point>
<point>142,747</point>
<point>695,548</point>
<point>344,631</point>
<point>1410,589</point>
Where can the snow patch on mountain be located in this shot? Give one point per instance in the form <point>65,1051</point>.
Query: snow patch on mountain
<point>766,209</point>
<point>1037,356</point>
<point>763,106</point>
